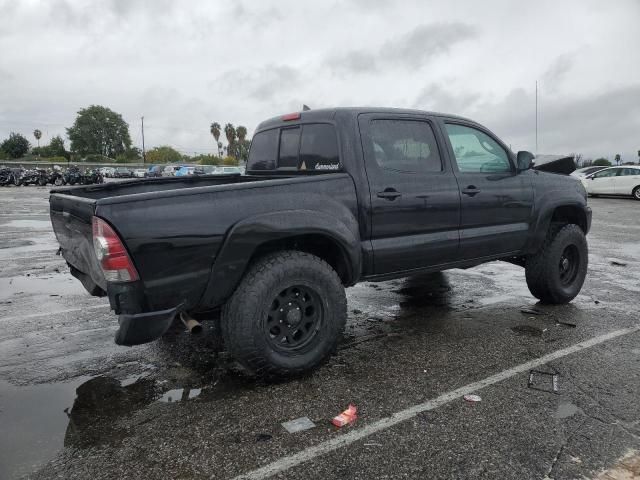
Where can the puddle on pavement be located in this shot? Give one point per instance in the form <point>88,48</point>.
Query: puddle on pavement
<point>180,395</point>
<point>37,421</point>
<point>32,420</point>
<point>53,284</point>
<point>566,410</point>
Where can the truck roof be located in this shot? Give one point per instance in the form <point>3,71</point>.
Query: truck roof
<point>329,114</point>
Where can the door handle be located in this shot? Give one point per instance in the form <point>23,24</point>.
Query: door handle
<point>471,190</point>
<point>389,194</point>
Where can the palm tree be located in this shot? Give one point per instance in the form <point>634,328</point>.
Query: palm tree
<point>242,149</point>
<point>230,133</point>
<point>215,131</point>
<point>242,133</point>
<point>38,134</point>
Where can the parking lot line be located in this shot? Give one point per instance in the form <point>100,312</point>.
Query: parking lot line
<point>285,463</point>
<point>55,312</point>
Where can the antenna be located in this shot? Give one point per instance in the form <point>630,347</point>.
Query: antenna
<point>144,155</point>
<point>536,117</point>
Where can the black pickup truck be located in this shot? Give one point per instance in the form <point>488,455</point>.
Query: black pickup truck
<point>331,198</point>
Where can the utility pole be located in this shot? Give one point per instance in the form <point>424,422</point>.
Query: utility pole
<point>536,117</point>
<point>144,154</point>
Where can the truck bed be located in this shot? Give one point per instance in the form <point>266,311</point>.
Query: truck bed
<point>161,184</point>
<point>173,228</point>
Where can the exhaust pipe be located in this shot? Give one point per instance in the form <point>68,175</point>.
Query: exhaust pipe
<point>191,323</point>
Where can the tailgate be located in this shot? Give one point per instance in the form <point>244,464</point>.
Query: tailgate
<point>71,217</point>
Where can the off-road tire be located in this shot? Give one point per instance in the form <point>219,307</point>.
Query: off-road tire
<point>244,316</point>
<point>58,182</point>
<point>636,193</point>
<point>543,269</point>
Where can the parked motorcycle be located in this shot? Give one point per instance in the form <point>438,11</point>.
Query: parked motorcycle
<point>92,176</point>
<point>72,175</point>
<point>55,177</point>
<point>8,176</point>
<point>30,177</point>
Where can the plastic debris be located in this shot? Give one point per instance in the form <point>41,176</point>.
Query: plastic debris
<point>345,418</point>
<point>472,398</point>
<point>618,263</point>
<point>263,437</point>
<point>298,425</point>
<point>566,324</point>
<point>554,380</point>
<point>532,311</point>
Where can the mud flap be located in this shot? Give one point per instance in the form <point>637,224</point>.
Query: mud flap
<point>139,328</point>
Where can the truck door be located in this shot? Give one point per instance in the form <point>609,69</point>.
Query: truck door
<point>415,202</point>
<point>496,200</point>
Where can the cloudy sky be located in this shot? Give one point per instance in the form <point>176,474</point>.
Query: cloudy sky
<point>184,64</point>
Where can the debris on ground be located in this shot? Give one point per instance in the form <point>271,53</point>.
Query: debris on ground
<point>566,324</point>
<point>298,425</point>
<point>554,380</point>
<point>355,311</point>
<point>472,398</point>
<point>345,418</point>
<point>263,437</point>
<point>532,311</point>
<point>617,263</point>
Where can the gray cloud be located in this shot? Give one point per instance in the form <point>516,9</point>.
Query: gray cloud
<point>594,125</point>
<point>410,50</point>
<point>184,66</point>
<point>260,84</point>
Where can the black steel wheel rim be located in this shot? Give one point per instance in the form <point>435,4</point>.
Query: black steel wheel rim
<point>569,264</point>
<point>293,318</point>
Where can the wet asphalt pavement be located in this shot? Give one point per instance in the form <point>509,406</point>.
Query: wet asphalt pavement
<point>75,405</point>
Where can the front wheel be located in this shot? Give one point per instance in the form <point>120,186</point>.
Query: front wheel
<point>556,273</point>
<point>286,316</point>
<point>58,181</point>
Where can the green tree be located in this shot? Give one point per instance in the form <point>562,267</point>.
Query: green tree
<point>56,147</point>
<point>164,154</point>
<point>15,146</point>
<point>601,162</point>
<point>38,134</point>
<point>99,130</point>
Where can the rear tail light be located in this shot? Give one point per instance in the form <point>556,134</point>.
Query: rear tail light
<point>110,252</point>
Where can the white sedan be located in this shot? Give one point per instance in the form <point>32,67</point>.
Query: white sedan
<point>623,180</point>
<point>139,172</point>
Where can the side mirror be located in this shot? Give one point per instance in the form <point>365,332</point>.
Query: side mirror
<point>525,160</point>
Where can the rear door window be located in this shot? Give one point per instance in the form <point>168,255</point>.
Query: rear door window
<point>404,146</point>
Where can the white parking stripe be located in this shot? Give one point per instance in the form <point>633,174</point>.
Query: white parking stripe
<point>55,312</point>
<point>310,453</point>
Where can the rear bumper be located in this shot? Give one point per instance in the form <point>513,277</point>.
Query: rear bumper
<point>137,328</point>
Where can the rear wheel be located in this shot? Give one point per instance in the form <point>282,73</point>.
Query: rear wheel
<point>636,193</point>
<point>286,316</point>
<point>58,181</point>
<point>556,273</point>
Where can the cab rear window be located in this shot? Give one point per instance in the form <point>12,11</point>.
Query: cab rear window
<point>311,147</point>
